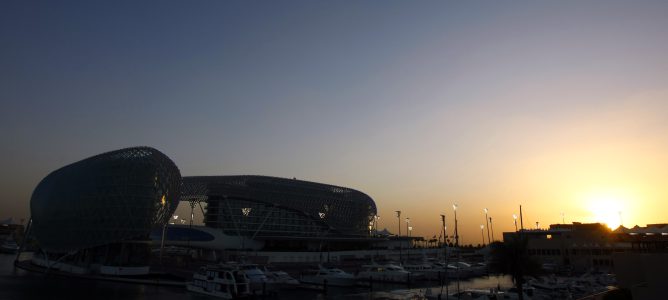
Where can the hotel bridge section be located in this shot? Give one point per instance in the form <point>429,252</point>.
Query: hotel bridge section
<point>279,213</point>
<point>100,211</point>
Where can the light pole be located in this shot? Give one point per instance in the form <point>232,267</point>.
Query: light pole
<point>454,207</point>
<point>562,218</point>
<point>515,221</point>
<point>482,234</point>
<point>487,222</point>
<point>399,236</point>
<point>408,234</point>
<point>408,221</point>
<point>399,220</point>
<point>491,227</point>
<point>445,257</point>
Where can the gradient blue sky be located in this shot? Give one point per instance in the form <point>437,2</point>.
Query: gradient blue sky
<point>561,106</point>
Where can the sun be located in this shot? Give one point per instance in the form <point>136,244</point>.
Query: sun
<point>606,208</point>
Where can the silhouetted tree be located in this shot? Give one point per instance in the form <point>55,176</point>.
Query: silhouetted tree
<point>510,257</point>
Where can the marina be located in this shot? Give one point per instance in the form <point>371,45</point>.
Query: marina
<point>228,281</point>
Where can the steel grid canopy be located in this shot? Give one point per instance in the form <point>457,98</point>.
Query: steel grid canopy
<point>264,206</point>
<point>104,199</point>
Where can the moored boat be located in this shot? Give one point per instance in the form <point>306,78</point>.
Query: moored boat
<point>386,273</point>
<point>220,281</point>
<point>332,276</point>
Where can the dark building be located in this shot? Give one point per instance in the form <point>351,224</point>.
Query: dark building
<point>278,210</point>
<point>101,209</point>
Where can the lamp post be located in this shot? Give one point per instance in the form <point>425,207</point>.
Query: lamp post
<point>408,221</point>
<point>408,234</point>
<point>399,235</point>
<point>399,220</point>
<point>482,234</point>
<point>515,221</point>
<point>408,253</point>
<point>491,228</point>
<point>454,207</point>
<point>487,222</point>
<point>445,257</point>
<point>562,218</point>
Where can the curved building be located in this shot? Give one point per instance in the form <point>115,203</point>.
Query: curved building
<point>271,208</point>
<point>105,199</point>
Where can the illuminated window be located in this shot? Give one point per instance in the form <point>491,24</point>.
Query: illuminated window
<point>549,236</point>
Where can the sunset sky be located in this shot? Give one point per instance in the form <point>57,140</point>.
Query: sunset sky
<point>560,106</point>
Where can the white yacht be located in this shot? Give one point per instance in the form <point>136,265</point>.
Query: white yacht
<point>333,276</point>
<point>433,271</point>
<point>280,279</point>
<point>259,282</point>
<point>220,281</point>
<point>386,273</point>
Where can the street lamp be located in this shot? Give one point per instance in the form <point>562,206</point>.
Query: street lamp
<point>482,234</point>
<point>491,227</point>
<point>454,207</point>
<point>408,221</point>
<point>515,221</point>
<point>486,221</point>
<point>399,219</point>
<point>408,233</point>
<point>398,236</point>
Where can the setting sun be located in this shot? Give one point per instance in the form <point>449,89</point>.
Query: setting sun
<point>606,208</point>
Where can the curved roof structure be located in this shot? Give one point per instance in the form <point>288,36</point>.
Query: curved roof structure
<point>270,206</point>
<point>103,199</point>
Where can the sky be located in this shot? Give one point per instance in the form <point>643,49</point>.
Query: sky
<point>558,106</point>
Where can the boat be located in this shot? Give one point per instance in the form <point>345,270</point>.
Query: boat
<point>220,281</point>
<point>280,279</point>
<point>386,273</point>
<point>258,280</point>
<point>332,276</point>
<point>433,271</point>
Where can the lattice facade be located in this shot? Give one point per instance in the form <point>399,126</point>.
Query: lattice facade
<point>104,199</point>
<point>262,206</point>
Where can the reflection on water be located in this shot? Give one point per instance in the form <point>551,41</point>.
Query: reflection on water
<point>19,284</point>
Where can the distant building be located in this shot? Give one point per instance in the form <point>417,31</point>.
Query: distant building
<point>578,247</point>
<point>270,213</point>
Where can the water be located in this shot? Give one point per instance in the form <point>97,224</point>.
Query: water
<point>20,284</point>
